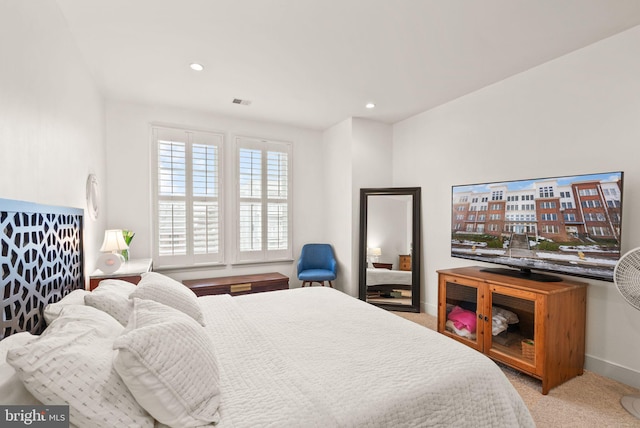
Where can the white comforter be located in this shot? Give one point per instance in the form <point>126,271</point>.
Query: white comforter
<point>316,357</point>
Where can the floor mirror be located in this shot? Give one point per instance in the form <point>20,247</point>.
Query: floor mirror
<point>389,266</point>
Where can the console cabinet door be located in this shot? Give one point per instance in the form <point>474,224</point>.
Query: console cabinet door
<point>515,330</point>
<point>466,295</point>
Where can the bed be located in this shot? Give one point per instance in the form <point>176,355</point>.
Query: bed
<point>384,284</point>
<point>155,354</point>
<point>388,277</point>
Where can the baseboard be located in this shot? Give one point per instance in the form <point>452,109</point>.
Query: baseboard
<point>612,371</point>
<point>429,308</point>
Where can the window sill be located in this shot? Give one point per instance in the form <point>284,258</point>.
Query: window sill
<point>193,268</point>
<point>209,266</point>
<point>267,262</point>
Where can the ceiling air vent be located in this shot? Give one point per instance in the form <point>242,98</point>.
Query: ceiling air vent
<point>241,102</point>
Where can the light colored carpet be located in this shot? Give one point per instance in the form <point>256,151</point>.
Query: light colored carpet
<point>589,400</point>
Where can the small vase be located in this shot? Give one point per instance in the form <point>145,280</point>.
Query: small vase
<point>125,255</point>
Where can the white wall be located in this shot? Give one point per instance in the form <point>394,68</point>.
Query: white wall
<point>357,154</point>
<point>576,114</point>
<point>129,163</point>
<point>51,115</point>
<point>337,200</point>
<point>372,153</point>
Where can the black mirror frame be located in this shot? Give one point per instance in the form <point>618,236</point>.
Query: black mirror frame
<point>416,248</point>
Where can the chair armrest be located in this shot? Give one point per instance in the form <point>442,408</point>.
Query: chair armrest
<point>333,265</point>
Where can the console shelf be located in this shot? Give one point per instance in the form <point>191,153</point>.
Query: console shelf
<point>546,342</point>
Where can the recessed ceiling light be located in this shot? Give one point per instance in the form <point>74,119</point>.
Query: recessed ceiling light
<point>370,105</point>
<point>197,67</point>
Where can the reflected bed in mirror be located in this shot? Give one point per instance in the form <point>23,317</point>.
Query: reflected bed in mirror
<point>389,269</point>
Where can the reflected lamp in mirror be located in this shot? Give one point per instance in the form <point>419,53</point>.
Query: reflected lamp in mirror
<point>374,254</point>
<point>112,247</point>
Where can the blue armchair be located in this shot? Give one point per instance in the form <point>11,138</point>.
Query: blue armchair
<point>317,264</point>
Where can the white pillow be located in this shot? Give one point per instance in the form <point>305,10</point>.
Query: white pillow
<point>118,286</point>
<point>13,341</point>
<point>103,324</point>
<point>12,391</point>
<point>162,289</point>
<point>71,363</point>
<point>112,297</point>
<point>52,310</point>
<point>166,360</point>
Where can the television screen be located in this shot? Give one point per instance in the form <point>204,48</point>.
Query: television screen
<point>568,225</point>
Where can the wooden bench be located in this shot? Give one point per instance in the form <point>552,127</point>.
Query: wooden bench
<point>239,284</point>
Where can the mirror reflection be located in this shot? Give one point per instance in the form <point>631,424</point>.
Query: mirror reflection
<point>389,270</point>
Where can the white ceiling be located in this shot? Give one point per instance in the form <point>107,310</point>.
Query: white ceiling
<point>314,63</point>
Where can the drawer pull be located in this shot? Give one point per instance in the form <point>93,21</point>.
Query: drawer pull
<point>235,288</point>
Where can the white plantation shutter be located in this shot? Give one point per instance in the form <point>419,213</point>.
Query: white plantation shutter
<point>263,200</point>
<point>187,176</point>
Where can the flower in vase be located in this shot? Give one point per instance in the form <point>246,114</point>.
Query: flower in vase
<point>128,237</point>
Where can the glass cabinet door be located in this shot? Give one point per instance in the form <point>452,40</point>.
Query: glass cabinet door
<point>513,326</point>
<point>459,311</point>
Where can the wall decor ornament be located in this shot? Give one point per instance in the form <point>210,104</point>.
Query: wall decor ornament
<point>93,199</point>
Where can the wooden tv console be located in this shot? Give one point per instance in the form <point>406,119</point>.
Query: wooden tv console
<point>547,342</point>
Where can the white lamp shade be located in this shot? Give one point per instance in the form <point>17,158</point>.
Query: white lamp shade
<point>376,252</point>
<point>113,241</point>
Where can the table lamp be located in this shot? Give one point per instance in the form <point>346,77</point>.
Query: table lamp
<point>375,253</point>
<point>112,247</point>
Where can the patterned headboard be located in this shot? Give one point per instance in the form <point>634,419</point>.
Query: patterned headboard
<point>42,261</point>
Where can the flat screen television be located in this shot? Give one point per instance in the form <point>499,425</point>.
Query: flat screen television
<point>568,225</point>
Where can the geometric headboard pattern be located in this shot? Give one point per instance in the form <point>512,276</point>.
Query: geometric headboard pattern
<point>41,256</point>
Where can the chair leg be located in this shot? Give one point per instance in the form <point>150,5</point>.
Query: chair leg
<point>304,283</point>
<point>330,284</point>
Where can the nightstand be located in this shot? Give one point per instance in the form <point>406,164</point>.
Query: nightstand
<point>130,271</point>
<point>405,261</point>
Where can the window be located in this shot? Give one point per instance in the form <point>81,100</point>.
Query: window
<point>588,192</point>
<point>496,195</point>
<point>569,217</point>
<point>599,231</point>
<point>591,203</point>
<point>186,180</point>
<point>546,192</point>
<point>589,217</point>
<point>263,200</point>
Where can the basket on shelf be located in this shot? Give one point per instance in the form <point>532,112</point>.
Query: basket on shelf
<point>528,348</point>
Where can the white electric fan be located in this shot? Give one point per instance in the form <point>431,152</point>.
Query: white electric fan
<point>626,276</point>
